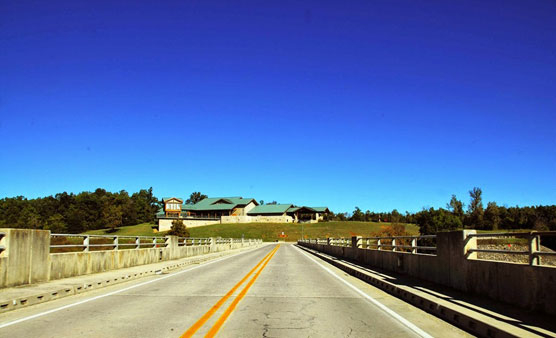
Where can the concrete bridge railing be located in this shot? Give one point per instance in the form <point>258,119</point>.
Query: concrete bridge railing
<point>29,256</point>
<point>454,263</point>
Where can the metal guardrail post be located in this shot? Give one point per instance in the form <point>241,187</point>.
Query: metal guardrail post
<point>86,242</point>
<point>356,242</point>
<point>2,247</point>
<point>534,247</point>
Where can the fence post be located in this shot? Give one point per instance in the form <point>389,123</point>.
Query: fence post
<point>414,245</point>
<point>356,242</point>
<point>115,242</point>
<point>137,242</point>
<point>394,245</point>
<point>86,243</point>
<point>154,242</point>
<point>378,245</point>
<point>534,247</point>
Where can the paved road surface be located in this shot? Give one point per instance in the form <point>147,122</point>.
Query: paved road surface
<point>289,294</point>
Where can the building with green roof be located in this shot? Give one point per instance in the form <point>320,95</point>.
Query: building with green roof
<point>270,209</point>
<point>215,210</point>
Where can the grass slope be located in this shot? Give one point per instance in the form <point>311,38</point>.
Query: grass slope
<point>143,229</point>
<point>271,231</point>
<point>266,231</point>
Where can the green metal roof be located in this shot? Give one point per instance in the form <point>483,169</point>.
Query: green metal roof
<point>269,209</point>
<point>320,209</point>
<point>218,203</point>
<point>301,209</point>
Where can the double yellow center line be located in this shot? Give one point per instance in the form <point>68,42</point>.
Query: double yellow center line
<point>212,332</point>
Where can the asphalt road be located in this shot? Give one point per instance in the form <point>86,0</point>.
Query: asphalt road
<point>266,292</point>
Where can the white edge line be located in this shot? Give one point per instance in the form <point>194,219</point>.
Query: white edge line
<point>401,319</point>
<point>115,292</point>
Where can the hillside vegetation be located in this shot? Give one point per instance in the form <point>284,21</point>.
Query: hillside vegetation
<point>267,231</point>
<point>143,229</point>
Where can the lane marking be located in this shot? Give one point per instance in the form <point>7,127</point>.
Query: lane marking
<point>242,294</point>
<point>383,307</point>
<point>198,324</point>
<point>116,292</point>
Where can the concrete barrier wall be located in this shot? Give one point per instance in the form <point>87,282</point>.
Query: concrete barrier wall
<point>27,258</point>
<point>529,287</point>
<point>24,259</point>
<point>69,264</point>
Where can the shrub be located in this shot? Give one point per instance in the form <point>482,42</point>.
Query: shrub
<point>178,229</point>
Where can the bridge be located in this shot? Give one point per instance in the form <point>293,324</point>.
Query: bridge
<point>182,287</point>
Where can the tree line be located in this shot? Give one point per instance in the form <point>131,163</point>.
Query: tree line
<point>76,213</point>
<point>455,216</point>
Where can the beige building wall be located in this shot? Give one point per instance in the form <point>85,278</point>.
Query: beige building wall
<point>248,207</point>
<point>257,219</point>
<point>166,224</point>
<point>243,211</point>
<point>236,219</point>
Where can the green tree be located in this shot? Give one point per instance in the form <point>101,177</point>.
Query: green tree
<point>112,216</point>
<point>195,197</point>
<point>475,210</point>
<point>456,206</point>
<point>432,221</point>
<point>146,205</point>
<point>395,216</point>
<point>357,215</point>
<point>29,218</point>
<point>178,229</point>
<point>492,216</point>
<point>56,224</point>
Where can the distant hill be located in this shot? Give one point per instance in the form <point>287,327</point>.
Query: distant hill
<point>267,231</point>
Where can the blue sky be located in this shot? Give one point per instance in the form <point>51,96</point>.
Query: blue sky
<point>381,105</point>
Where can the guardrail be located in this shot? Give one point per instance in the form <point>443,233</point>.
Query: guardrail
<point>107,242</point>
<point>188,241</point>
<point>411,244</point>
<point>533,239</point>
<point>405,243</point>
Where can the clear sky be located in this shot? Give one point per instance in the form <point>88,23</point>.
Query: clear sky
<point>377,104</point>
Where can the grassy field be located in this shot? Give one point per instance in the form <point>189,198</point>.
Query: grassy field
<point>272,231</point>
<point>143,229</point>
<point>267,231</point>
